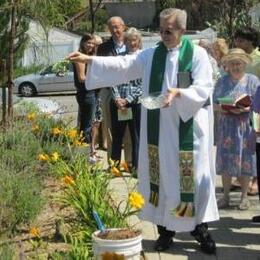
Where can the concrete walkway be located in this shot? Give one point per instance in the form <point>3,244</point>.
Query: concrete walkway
<point>236,237</point>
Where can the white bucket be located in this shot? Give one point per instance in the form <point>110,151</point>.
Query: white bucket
<point>130,247</point>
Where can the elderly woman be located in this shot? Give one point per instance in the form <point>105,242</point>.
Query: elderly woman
<point>125,108</point>
<point>208,46</point>
<point>235,137</point>
<point>219,50</point>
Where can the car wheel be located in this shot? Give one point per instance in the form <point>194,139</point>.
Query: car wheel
<point>27,90</point>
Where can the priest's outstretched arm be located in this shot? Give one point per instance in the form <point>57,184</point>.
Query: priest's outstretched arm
<point>109,71</point>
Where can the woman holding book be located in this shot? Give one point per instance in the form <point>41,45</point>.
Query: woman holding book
<point>235,136</point>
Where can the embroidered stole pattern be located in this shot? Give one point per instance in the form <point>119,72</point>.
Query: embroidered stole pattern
<point>186,207</point>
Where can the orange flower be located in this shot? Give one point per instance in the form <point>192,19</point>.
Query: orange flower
<point>68,180</point>
<point>56,131</point>
<point>112,255</point>
<point>124,166</point>
<point>43,157</point>
<point>34,231</point>
<point>31,116</point>
<point>116,172</point>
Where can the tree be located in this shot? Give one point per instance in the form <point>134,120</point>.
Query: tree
<point>225,16</point>
<point>231,16</point>
<point>93,8</point>
<point>14,22</point>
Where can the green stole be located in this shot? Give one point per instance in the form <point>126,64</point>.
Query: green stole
<point>186,206</point>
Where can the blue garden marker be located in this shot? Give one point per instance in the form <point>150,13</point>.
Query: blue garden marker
<point>100,225</point>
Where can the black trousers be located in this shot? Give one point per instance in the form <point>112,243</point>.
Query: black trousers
<point>258,166</point>
<point>86,113</point>
<point>118,131</point>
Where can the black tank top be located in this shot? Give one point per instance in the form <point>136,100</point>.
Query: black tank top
<point>80,86</point>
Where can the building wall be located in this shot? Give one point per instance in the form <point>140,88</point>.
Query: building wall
<point>47,48</point>
<point>137,14</point>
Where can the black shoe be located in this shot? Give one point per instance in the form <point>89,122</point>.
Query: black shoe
<point>256,219</point>
<point>202,235</point>
<point>163,243</point>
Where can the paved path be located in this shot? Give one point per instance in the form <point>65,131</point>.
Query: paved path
<point>236,237</point>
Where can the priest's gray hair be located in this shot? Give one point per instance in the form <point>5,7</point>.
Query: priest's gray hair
<point>118,18</point>
<point>131,33</point>
<point>181,16</point>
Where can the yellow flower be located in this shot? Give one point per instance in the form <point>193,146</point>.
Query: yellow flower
<point>31,116</point>
<point>34,231</point>
<point>72,134</point>
<point>55,156</point>
<point>56,131</point>
<point>35,128</point>
<point>136,200</point>
<point>79,143</point>
<point>43,157</point>
<point>68,180</point>
<point>116,172</point>
<point>124,166</point>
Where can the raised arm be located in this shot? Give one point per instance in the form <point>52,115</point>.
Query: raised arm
<point>77,56</point>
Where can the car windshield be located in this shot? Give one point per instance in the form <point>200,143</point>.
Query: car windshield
<point>47,70</point>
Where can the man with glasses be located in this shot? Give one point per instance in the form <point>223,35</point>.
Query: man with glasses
<point>176,173</point>
<point>112,47</point>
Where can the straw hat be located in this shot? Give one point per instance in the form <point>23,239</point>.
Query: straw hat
<point>237,54</point>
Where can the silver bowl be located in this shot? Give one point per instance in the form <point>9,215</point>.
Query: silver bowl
<point>155,100</point>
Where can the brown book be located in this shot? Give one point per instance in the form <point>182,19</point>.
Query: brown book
<point>242,101</point>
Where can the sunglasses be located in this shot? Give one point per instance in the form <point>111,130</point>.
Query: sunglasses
<point>168,32</point>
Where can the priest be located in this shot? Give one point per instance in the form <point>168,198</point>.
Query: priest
<point>176,171</point>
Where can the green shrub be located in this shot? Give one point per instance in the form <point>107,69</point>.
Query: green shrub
<point>20,198</point>
<point>18,149</point>
<point>6,252</point>
<point>87,190</point>
<point>20,71</point>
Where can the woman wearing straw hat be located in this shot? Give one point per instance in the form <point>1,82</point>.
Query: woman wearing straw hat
<point>235,136</point>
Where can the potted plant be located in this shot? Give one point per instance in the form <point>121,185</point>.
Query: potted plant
<point>120,242</point>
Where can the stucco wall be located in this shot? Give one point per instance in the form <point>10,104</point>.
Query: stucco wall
<point>137,14</point>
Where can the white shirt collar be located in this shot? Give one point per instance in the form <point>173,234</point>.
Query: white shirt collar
<point>175,48</point>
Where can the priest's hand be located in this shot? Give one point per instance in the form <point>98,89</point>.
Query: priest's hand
<point>171,94</point>
<point>77,56</point>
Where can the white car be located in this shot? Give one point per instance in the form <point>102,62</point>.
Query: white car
<point>45,81</point>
